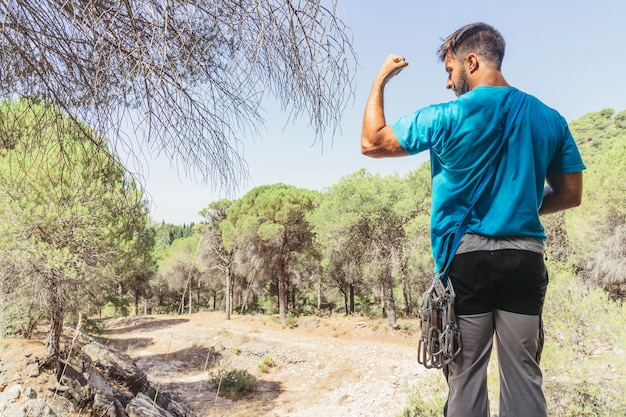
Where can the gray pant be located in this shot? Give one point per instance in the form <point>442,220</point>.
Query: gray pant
<point>519,340</point>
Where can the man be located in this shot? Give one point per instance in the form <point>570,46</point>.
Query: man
<point>498,272</point>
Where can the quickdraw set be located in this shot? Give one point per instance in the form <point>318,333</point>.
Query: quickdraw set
<point>441,341</point>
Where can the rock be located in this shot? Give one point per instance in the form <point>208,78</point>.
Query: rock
<point>39,408</point>
<point>143,406</point>
<point>118,367</point>
<point>31,370</point>
<point>19,411</point>
<point>30,393</point>
<point>96,378</point>
<point>12,393</point>
<point>105,397</point>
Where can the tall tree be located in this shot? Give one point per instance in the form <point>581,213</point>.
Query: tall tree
<point>189,75</point>
<point>342,240</point>
<point>181,269</point>
<point>216,257</point>
<point>271,221</point>
<point>72,223</point>
<point>362,224</point>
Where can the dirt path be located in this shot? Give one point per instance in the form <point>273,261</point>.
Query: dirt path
<point>347,367</point>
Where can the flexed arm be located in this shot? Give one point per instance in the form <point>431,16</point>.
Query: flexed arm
<point>377,138</point>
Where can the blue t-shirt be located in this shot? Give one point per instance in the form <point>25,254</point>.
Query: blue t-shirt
<point>462,135</point>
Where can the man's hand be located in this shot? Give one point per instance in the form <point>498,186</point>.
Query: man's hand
<point>393,65</point>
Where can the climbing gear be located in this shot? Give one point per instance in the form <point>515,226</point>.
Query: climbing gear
<point>441,338</point>
<point>440,341</point>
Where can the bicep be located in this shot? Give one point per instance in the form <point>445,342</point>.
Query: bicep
<point>384,144</point>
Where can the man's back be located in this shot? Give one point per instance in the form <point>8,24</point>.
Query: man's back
<point>462,137</point>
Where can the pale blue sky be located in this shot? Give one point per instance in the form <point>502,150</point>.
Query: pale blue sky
<point>570,54</point>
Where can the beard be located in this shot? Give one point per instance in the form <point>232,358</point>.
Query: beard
<point>462,86</point>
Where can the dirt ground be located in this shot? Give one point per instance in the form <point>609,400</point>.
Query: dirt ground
<point>344,367</point>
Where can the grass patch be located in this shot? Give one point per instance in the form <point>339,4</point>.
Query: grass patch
<point>427,398</point>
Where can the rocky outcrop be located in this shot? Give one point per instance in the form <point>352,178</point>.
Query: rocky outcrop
<point>95,379</point>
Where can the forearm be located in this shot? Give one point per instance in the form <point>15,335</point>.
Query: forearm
<point>377,138</point>
<point>562,192</point>
<point>373,118</point>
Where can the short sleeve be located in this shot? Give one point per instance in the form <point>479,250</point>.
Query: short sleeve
<point>568,160</point>
<point>411,132</point>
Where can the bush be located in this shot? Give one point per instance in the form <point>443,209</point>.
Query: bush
<point>233,383</point>
<point>291,322</point>
<point>427,398</point>
<point>583,354</point>
<point>266,364</point>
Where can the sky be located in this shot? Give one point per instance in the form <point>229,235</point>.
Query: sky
<point>571,54</point>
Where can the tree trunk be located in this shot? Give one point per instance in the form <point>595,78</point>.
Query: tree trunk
<point>346,299</point>
<point>56,318</point>
<point>282,292</point>
<point>292,293</point>
<point>390,304</point>
<point>137,302</point>
<point>181,310</point>
<point>229,293</point>
<point>190,295</point>
<point>351,298</point>
<point>408,305</point>
<point>319,292</point>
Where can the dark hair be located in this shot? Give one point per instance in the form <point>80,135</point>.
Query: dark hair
<point>478,38</point>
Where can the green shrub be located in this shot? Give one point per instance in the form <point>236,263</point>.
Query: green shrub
<point>92,326</point>
<point>233,383</point>
<point>582,359</point>
<point>291,322</point>
<point>427,398</point>
<point>266,364</point>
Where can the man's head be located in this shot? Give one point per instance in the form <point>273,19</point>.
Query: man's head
<point>478,38</point>
<point>466,50</point>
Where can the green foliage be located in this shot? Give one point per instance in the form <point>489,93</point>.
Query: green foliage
<point>267,364</point>
<point>233,383</point>
<point>92,326</point>
<point>73,226</point>
<point>594,228</point>
<point>290,322</point>
<point>167,233</point>
<point>270,237</point>
<point>20,314</point>
<point>583,355</point>
<point>367,227</point>
<point>426,398</point>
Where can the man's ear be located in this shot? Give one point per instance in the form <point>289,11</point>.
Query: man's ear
<point>471,62</point>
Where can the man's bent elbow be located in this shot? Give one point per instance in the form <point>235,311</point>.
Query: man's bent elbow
<point>576,200</point>
<point>369,149</point>
<point>381,144</point>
